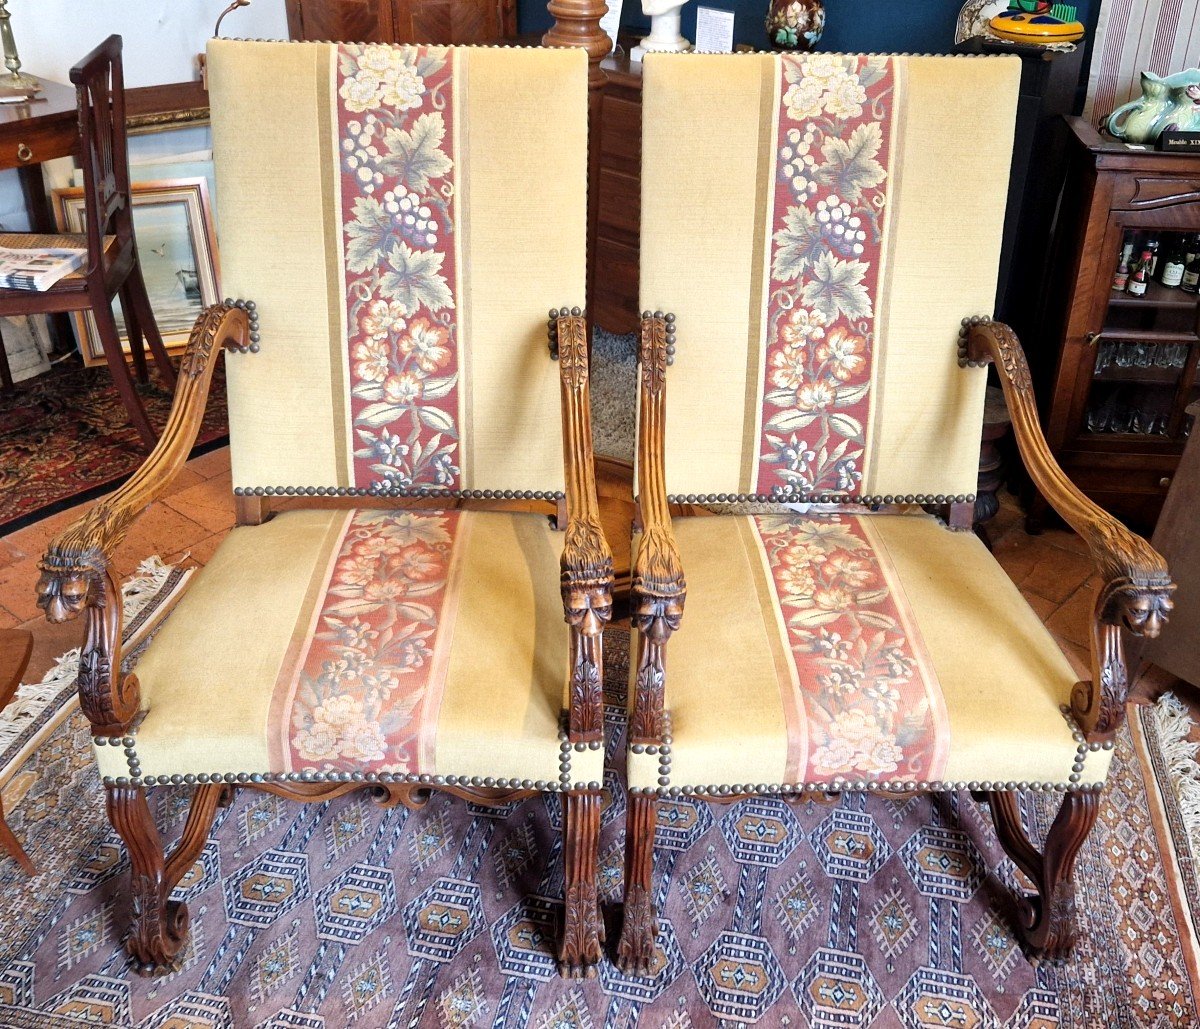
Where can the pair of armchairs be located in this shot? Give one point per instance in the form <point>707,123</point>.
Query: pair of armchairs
<point>815,228</point>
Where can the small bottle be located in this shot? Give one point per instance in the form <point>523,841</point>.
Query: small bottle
<point>1190,283</point>
<point>1140,275</point>
<point>1152,246</point>
<point>1121,278</point>
<point>1173,265</point>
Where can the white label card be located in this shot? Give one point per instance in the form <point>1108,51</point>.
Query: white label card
<point>714,31</point>
<point>611,22</point>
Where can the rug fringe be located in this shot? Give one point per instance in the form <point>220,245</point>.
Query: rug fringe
<point>31,698</point>
<point>1173,724</point>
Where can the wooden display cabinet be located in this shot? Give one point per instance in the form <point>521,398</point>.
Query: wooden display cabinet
<point>1115,403</point>
<point>618,198</point>
<point>403,21</point>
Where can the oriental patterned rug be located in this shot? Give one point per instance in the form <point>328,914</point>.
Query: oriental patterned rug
<point>65,437</point>
<point>858,912</point>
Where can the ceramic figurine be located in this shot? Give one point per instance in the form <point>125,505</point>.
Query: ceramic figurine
<point>664,28</point>
<point>974,17</point>
<point>795,24</point>
<point>1171,102</point>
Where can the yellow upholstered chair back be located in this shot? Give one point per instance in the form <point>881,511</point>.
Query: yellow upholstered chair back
<point>403,217</point>
<point>819,225</point>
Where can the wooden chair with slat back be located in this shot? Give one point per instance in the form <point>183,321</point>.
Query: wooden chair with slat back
<point>112,269</point>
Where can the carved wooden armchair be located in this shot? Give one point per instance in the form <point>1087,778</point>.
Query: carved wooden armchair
<point>376,205</point>
<point>809,274</point>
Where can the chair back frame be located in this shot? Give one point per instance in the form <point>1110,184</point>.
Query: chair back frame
<point>104,152</point>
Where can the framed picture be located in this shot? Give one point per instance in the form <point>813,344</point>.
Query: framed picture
<point>177,249</point>
<point>27,343</point>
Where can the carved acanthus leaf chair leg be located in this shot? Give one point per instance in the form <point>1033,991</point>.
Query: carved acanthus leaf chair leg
<point>159,926</point>
<point>1048,917</point>
<point>580,951</point>
<point>635,950</point>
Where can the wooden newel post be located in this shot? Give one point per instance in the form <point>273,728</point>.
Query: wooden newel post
<point>577,23</point>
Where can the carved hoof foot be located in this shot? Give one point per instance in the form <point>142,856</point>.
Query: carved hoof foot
<point>635,950</point>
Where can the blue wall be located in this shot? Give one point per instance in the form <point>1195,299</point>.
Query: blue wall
<point>897,26</point>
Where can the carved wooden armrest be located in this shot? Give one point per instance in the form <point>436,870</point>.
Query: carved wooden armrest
<point>1137,586</point>
<point>75,574</point>
<point>587,569</point>
<point>659,588</point>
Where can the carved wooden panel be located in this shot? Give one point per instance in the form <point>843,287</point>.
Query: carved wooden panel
<point>617,195</point>
<point>403,21</point>
<point>1144,192</point>
<point>454,21</point>
<point>359,21</point>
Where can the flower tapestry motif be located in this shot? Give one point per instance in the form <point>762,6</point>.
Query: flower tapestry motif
<point>872,705</point>
<point>825,248</point>
<point>395,127</point>
<point>368,684</point>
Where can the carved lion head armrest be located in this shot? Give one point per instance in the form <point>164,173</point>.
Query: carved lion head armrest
<point>659,587</point>
<point>587,568</point>
<point>75,575</point>
<point>1136,594</point>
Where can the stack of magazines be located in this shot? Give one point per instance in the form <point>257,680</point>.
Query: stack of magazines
<point>37,268</point>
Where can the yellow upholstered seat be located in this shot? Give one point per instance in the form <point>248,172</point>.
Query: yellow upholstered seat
<point>858,648</point>
<point>373,642</point>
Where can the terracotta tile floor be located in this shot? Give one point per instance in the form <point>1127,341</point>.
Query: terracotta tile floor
<point>1053,570</point>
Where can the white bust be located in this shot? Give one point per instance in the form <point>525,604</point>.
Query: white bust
<point>664,27</point>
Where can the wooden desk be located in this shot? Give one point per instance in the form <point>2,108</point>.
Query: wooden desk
<point>45,129</point>
<point>35,132</point>
<point>31,133</point>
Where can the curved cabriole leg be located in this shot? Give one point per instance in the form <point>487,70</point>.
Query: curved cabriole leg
<point>159,929</point>
<point>580,953</point>
<point>635,950</point>
<point>1047,917</point>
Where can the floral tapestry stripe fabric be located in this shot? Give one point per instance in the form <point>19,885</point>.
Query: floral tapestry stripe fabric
<point>395,112</point>
<point>364,692</point>
<point>869,704</point>
<point>826,247</point>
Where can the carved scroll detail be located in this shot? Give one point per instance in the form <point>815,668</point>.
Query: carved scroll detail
<point>1048,917</point>
<point>573,351</point>
<point>159,931</point>
<point>213,330</point>
<point>652,355</point>
<point>1137,590</point>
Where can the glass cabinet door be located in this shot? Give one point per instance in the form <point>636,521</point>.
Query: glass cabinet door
<point>1144,366</point>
